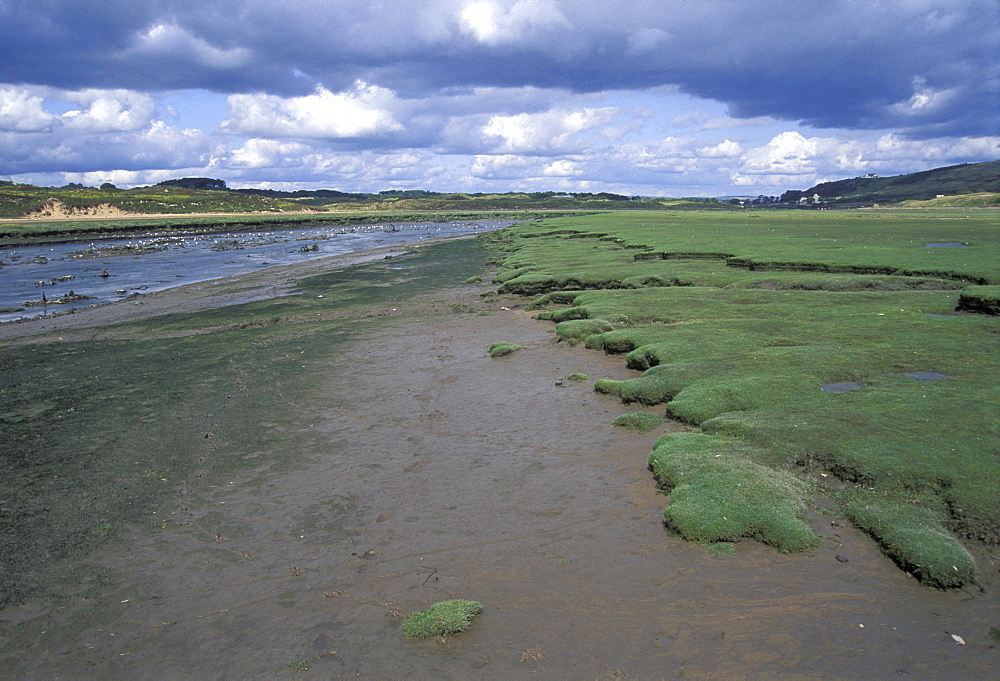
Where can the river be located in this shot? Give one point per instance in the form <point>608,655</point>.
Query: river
<point>47,279</point>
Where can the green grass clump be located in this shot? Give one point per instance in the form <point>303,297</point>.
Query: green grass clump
<point>914,536</point>
<point>578,377</point>
<point>718,494</point>
<point>660,383</point>
<point>442,619</point>
<point>554,298</point>
<point>707,398</point>
<point>608,386</point>
<point>568,313</point>
<point>299,664</point>
<point>503,349</point>
<point>528,285</point>
<point>639,421</point>
<point>577,330</point>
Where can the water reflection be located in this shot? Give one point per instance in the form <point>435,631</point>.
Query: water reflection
<point>45,279</point>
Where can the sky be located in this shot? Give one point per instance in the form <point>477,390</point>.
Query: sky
<point>638,97</point>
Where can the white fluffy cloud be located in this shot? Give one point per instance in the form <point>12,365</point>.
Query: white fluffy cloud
<point>793,160</point>
<point>363,111</point>
<point>563,168</point>
<point>551,131</point>
<point>502,166</point>
<point>489,22</point>
<point>22,110</point>
<point>367,138</point>
<point>262,153</point>
<point>109,111</point>
<point>170,41</point>
<point>724,149</point>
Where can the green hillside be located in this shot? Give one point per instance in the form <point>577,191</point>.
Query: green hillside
<point>969,178</point>
<point>20,200</point>
<point>206,195</point>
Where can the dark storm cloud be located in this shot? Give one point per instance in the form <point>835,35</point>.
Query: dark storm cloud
<point>924,67</point>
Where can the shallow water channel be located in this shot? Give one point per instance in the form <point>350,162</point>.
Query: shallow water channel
<point>106,270</point>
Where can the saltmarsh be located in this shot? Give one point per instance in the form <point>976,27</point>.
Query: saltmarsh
<point>737,321</point>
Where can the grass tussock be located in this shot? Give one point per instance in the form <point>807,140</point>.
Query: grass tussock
<point>502,349</point>
<point>608,386</point>
<point>577,330</point>
<point>661,383</point>
<point>442,619</point>
<point>639,421</point>
<point>554,298</point>
<point>718,494</point>
<point>568,313</point>
<point>914,535</point>
<point>707,398</point>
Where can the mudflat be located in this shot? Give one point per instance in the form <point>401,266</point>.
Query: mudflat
<point>377,461</point>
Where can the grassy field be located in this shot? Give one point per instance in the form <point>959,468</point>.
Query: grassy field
<point>819,353</point>
<point>973,200</point>
<point>19,200</point>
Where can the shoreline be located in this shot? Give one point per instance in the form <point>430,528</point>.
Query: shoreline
<point>202,295</point>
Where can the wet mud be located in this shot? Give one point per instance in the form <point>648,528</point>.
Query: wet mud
<point>441,473</point>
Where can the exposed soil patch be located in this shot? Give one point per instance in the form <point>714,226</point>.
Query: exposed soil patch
<point>57,210</point>
<point>435,472</point>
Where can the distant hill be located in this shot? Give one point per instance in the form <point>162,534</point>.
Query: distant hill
<point>74,200</point>
<point>968,178</point>
<point>208,195</point>
<point>194,183</point>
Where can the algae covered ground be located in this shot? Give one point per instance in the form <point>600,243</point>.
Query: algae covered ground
<point>823,356</point>
<point>101,429</point>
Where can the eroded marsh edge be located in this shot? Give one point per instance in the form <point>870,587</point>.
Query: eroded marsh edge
<point>736,326</point>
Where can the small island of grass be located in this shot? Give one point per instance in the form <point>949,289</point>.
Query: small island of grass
<point>442,619</point>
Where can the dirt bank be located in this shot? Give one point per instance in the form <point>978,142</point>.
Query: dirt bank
<point>57,211</point>
<point>436,472</point>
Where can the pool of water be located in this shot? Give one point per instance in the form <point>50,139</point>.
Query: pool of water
<point>45,279</point>
<point>840,387</point>
<point>926,375</point>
